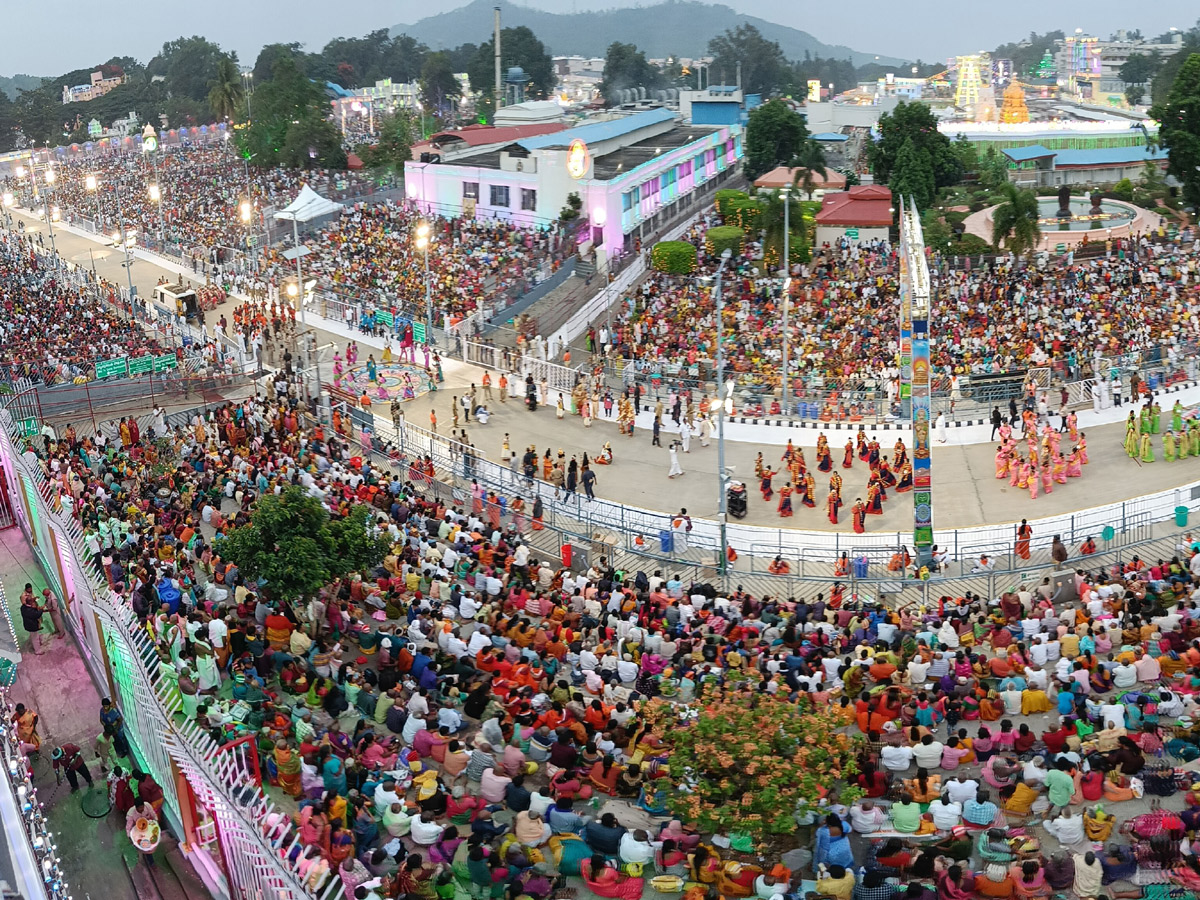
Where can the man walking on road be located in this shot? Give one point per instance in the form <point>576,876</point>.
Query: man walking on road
<point>70,758</point>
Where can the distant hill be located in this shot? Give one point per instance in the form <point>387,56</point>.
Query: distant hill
<point>11,85</point>
<point>677,27</point>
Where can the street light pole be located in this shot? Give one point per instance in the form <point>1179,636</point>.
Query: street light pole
<point>49,214</point>
<point>722,498</point>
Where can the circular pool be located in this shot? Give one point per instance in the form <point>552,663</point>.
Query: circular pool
<point>1082,218</point>
<point>1115,219</point>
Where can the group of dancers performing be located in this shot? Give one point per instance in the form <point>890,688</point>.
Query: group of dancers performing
<point>1181,440</point>
<point>408,388</point>
<point>1043,463</point>
<point>896,475</point>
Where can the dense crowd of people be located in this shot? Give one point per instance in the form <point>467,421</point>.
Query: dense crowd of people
<point>369,257</point>
<point>201,189</point>
<point>468,713</point>
<point>54,328</point>
<point>1141,298</point>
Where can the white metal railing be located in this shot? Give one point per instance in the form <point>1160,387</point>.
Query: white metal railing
<point>254,857</point>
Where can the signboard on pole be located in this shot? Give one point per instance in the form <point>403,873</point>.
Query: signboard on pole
<point>814,90</point>
<point>141,365</point>
<point>165,362</point>
<point>112,368</point>
<point>419,332</point>
<point>384,317</point>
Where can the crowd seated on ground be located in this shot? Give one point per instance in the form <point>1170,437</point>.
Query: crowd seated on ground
<point>1140,297</point>
<point>53,330</point>
<point>467,714</point>
<point>371,249</point>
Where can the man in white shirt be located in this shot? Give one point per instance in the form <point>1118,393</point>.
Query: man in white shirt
<point>928,753</point>
<point>918,668</point>
<point>896,759</point>
<point>946,813</point>
<point>866,817</point>
<point>961,789</point>
<point>1124,676</point>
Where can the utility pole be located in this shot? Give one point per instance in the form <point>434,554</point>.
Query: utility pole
<point>787,300</point>
<point>722,493</point>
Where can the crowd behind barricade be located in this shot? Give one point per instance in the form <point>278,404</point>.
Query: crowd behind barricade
<point>467,716</point>
<point>995,318</point>
<point>371,251</point>
<point>201,192</point>
<point>54,326</point>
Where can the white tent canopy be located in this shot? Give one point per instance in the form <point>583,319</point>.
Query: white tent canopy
<point>307,206</point>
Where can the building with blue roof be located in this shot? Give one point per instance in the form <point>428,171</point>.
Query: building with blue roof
<point>1038,166</point>
<point>633,171</point>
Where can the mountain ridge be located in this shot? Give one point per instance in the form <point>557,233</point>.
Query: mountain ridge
<point>674,27</point>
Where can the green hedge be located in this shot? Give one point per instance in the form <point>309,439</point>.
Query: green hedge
<point>744,213</point>
<point>716,240</point>
<point>674,257</point>
<point>724,197</point>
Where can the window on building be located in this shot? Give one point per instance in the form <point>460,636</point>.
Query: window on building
<point>528,199</point>
<point>500,195</point>
<point>470,190</point>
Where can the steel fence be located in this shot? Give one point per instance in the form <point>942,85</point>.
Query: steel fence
<point>252,837</point>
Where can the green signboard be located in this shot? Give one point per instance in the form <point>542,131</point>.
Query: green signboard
<point>384,317</point>
<point>111,368</point>
<point>165,362</point>
<point>29,427</point>
<point>141,365</point>
<point>852,233</point>
<point>419,332</point>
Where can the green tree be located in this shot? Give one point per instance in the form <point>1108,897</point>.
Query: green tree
<point>9,124</point>
<point>1169,70</point>
<point>749,765</point>
<point>225,92</point>
<point>771,222</point>
<point>1140,68</point>
<point>810,162</point>
<point>291,125</point>
<point>518,47</point>
<point>912,176</point>
<point>292,546</point>
<point>358,61</point>
<point>1179,129</point>
<point>268,56</point>
<point>394,146</point>
<point>914,122</point>
<point>1026,54</point>
<point>775,134</point>
<point>993,168</point>
<point>764,67</point>
<point>189,66</point>
<point>1015,221</point>
<point>439,87</point>
<point>625,67</point>
<point>404,57</point>
<point>1134,94</point>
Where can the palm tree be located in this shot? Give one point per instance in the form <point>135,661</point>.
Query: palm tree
<point>771,223</point>
<point>225,90</point>
<point>1015,220</point>
<point>809,160</point>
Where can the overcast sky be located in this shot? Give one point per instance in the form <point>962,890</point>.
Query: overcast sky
<point>70,34</point>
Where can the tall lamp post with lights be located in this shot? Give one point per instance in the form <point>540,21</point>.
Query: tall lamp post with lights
<point>8,201</point>
<point>122,238</point>
<point>423,239</point>
<point>150,148</point>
